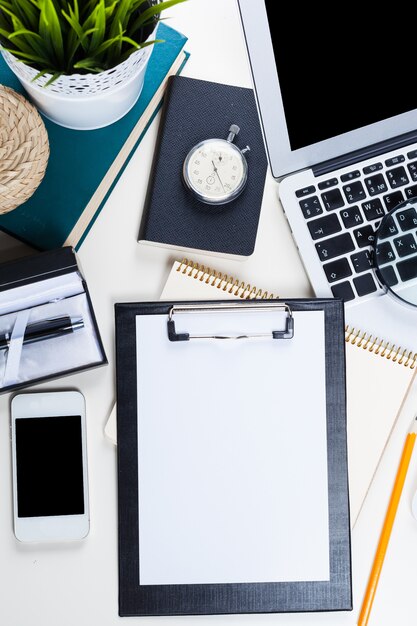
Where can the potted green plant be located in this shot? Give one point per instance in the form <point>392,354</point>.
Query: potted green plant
<point>83,62</point>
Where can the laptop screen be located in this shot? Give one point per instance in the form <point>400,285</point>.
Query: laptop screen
<point>346,72</point>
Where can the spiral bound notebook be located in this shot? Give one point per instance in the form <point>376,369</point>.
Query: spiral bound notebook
<point>371,364</point>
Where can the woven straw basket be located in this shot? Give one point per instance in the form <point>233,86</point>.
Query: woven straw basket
<point>24,149</point>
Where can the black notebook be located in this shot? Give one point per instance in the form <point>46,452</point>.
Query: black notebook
<point>233,484</point>
<point>195,110</point>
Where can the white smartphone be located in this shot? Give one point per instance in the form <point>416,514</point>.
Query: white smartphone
<point>49,456</point>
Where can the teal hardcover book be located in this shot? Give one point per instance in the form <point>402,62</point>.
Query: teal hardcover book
<point>84,166</point>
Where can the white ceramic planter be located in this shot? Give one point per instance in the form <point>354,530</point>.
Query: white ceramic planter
<point>86,101</point>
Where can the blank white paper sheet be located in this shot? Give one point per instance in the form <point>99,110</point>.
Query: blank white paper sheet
<point>232,451</point>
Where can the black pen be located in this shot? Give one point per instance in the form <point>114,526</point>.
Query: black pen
<point>45,329</point>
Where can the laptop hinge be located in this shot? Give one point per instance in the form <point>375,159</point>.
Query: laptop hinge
<point>364,153</point>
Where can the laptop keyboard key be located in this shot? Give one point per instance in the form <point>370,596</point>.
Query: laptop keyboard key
<point>337,246</point>
<point>305,191</point>
<point>311,207</point>
<point>405,245</point>
<point>332,199</point>
<point>370,169</point>
<point>351,216</point>
<point>361,261</point>
<point>350,176</point>
<point>343,291</point>
<point>400,158</point>
<point>325,184</point>
<point>407,219</point>
<point>376,184</point>
<point>407,269</point>
<point>373,209</point>
<point>364,236</point>
<point>389,276</point>
<point>364,284</point>
<point>354,192</point>
<point>390,228</point>
<point>384,253</point>
<point>336,270</point>
<point>393,199</point>
<point>397,177</point>
<point>411,192</point>
<point>412,168</point>
<point>324,226</point>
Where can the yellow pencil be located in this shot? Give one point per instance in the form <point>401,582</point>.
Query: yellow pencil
<point>388,524</point>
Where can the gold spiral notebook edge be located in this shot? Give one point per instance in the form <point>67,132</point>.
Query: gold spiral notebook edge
<point>380,347</point>
<point>245,291</point>
<point>222,281</point>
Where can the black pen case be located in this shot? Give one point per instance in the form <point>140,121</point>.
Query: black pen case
<point>47,322</point>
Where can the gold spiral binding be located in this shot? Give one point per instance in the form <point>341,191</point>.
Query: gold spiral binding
<point>380,347</point>
<point>245,291</point>
<point>223,282</point>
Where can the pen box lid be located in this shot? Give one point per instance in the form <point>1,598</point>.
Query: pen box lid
<point>36,267</point>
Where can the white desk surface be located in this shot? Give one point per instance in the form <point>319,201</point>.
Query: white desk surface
<point>77,585</point>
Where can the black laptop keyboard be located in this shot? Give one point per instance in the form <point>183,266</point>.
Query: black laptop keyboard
<point>343,213</point>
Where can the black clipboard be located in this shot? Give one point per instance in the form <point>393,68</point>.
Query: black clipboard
<point>181,599</point>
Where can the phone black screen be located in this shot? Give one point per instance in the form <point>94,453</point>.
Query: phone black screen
<point>49,463</point>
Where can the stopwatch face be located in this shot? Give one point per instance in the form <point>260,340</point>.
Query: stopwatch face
<point>215,171</point>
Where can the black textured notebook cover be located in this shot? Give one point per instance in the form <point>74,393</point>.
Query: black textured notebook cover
<point>195,110</point>
<point>182,599</point>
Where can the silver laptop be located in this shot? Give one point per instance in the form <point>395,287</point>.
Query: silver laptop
<point>338,108</point>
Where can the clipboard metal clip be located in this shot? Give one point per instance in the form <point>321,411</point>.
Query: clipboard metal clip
<point>286,333</point>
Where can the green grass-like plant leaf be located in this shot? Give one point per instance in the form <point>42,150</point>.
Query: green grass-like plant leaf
<point>51,32</point>
<point>59,37</point>
<point>150,13</point>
